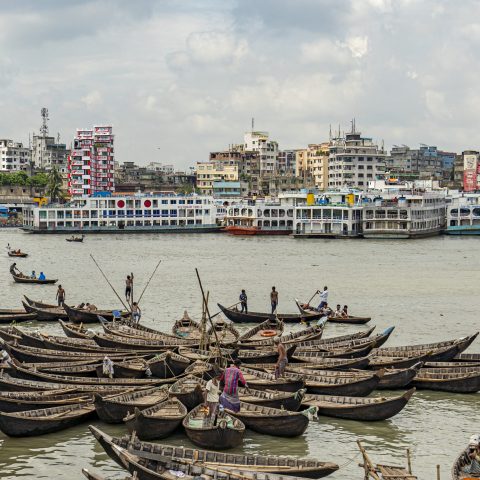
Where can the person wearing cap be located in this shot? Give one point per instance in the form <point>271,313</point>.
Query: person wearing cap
<point>231,377</point>
<point>473,453</point>
<point>282,358</point>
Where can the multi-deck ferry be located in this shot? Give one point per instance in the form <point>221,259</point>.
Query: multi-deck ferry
<point>125,214</point>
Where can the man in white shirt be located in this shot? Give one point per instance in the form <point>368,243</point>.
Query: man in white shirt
<point>212,390</point>
<point>323,297</point>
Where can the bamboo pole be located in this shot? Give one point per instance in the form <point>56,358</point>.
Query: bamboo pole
<point>148,283</point>
<point>438,472</point>
<point>409,462</point>
<point>111,286</point>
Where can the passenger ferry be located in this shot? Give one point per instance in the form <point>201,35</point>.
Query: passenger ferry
<point>330,215</point>
<point>463,215</point>
<point>258,217</point>
<point>405,215</point>
<point>125,214</point>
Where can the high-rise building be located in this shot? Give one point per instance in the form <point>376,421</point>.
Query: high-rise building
<point>255,141</point>
<point>91,162</point>
<point>13,156</point>
<point>354,160</point>
<point>313,161</point>
<point>47,153</point>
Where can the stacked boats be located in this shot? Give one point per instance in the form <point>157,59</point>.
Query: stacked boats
<point>155,385</point>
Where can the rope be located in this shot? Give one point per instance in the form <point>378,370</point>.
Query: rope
<point>348,462</point>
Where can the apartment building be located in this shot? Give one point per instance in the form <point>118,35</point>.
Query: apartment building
<point>207,173</point>
<point>47,153</point>
<point>313,161</point>
<point>256,141</point>
<point>13,156</point>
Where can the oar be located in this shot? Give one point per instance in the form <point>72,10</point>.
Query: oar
<point>312,297</point>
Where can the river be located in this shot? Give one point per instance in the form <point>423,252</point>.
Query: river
<point>427,289</point>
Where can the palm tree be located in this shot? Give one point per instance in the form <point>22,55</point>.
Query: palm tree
<point>54,185</point>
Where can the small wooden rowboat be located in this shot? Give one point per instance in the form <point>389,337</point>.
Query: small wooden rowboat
<point>266,381</point>
<point>223,332</point>
<point>90,475</point>
<point>47,314</point>
<point>80,315</point>
<point>17,317</point>
<point>23,401</point>
<point>168,365</point>
<point>268,329</point>
<point>186,328</point>
<point>280,465</point>
<point>462,380</point>
<point>353,320</point>
<point>47,420</point>
<point>188,390</point>
<point>74,330</point>
<point>158,421</point>
<point>358,408</point>
<point>271,421</point>
<point>114,408</point>
<point>218,433</point>
<point>395,378</point>
<point>17,254</point>
<point>19,279</point>
<point>75,239</point>
<point>255,317</point>
<point>38,304</point>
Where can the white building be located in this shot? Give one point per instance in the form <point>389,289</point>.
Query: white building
<point>13,156</point>
<point>354,161</point>
<point>160,167</point>
<point>256,141</point>
<point>47,153</point>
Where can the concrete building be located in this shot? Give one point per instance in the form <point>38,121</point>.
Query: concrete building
<point>247,162</point>
<point>46,153</point>
<point>426,161</point>
<point>209,172</point>
<point>13,156</point>
<point>160,167</point>
<point>471,170</point>
<point>91,162</point>
<point>230,189</point>
<point>313,161</point>
<point>354,160</point>
<point>287,162</point>
<point>256,141</point>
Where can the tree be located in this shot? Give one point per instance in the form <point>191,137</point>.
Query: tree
<point>54,185</point>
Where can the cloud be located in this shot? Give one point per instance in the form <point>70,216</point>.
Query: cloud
<point>358,46</point>
<point>92,99</point>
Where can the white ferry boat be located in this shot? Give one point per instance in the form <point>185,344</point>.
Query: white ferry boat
<point>125,214</point>
<point>405,215</point>
<point>258,217</point>
<point>330,215</point>
<point>463,215</point>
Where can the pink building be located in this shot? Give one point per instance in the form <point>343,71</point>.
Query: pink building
<point>90,164</point>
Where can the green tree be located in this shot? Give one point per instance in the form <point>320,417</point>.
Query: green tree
<point>54,185</point>
<point>38,180</point>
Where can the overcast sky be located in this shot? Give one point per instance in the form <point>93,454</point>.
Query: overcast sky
<point>178,79</point>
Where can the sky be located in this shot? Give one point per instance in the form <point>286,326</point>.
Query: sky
<point>179,79</point>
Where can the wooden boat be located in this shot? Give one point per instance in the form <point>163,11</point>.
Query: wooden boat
<point>186,328</point>
<point>109,341</point>
<point>467,357</point>
<point>453,364</point>
<point>17,254</point>
<point>266,381</point>
<point>218,433</point>
<point>258,356</point>
<point>350,319</point>
<point>168,365</point>
<point>120,329</point>
<point>20,372</point>
<point>158,421</point>
<point>304,468</point>
<point>398,378</point>
<point>75,239</point>
<point>383,472</point>
<point>17,317</point>
<point>223,332</point>
<point>194,354</point>
<point>203,370</point>
<point>188,390</point>
<point>114,408</point>
<point>96,476</point>
<point>313,332</point>
<point>80,370</point>
<point>455,381</point>
<point>43,313</point>
<point>461,465</point>
<point>74,330</point>
<point>47,420</point>
<point>358,408</point>
<point>272,327</point>
<point>10,334</point>
<point>133,368</point>
<point>271,421</point>
<point>439,351</point>
<point>19,279</point>
<point>328,363</point>
<point>22,401</point>
<point>314,355</point>
<point>406,361</point>
<point>36,303</point>
<point>236,316</point>
<point>80,315</point>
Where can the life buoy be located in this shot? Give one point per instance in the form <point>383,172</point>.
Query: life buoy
<point>268,333</point>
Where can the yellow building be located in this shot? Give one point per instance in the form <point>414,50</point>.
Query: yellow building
<point>313,161</point>
<point>209,172</point>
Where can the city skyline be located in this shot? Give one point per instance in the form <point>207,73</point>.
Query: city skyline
<point>177,81</point>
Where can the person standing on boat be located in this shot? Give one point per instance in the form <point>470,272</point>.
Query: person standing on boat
<point>323,297</point>
<point>107,367</point>
<point>212,395</point>
<point>128,287</point>
<point>282,358</point>
<point>136,313</point>
<point>14,270</point>
<point>243,301</point>
<point>231,377</point>
<point>274,299</point>
<point>60,296</point>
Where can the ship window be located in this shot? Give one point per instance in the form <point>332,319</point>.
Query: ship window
<point>464,211</point>
<point>164,213</point>
<point>189,202</point>
<point>207,212</point>
<point>164,202</point>
<point>476,212</point>
<point>173,202</point>
<point>181,202</point>
<point>155,203</point>
<point>173,213</point>
<point>156,213</point>
<point>138,213</point>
